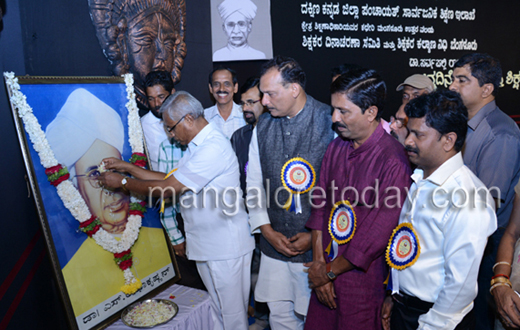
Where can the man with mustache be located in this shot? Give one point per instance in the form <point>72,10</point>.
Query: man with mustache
<point>158,86</point>
<point>492,152</point>
<point>252,107</point>
<point>413,86</point>
<point>251,103</point>
<point>226,114</point>
<point>436,250</point>
<point>289,141</point>
<point>367,173</point>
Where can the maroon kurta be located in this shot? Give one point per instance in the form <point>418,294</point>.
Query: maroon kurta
<point>381,163</point>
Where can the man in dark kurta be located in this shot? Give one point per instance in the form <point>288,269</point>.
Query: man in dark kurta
<point>370,172</point>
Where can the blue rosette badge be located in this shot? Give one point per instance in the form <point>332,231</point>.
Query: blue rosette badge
<point>342,222</point>
<point>403,248</point>
<point>298,177</point>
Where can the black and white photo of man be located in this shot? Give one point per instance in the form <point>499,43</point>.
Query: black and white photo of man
<point>237,23</point>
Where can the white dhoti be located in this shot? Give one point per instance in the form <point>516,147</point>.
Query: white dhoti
<point>285,288</point>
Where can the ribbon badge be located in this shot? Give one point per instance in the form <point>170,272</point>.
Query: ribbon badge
<point>166,177</point>
<point>298,177</point>
<point>403,248</point>
<point>342,222</point>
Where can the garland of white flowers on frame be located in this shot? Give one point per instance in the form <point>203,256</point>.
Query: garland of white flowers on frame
<point>58,176</point>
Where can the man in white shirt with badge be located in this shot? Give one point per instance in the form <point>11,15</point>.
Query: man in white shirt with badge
<point>207,182</point>
<point>435,251</point>
<point>226,114</point>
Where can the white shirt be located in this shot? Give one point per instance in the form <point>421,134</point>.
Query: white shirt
<point>255,188</point>
<point>229,126</point>
<point>451,239</point>
<point>214,231</point>
<point>154,134</point>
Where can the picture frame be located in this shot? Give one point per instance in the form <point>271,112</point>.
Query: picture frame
<point>73,123</point>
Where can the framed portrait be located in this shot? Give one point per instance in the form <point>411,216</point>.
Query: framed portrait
<point>241,30</point>
<point>107,249</point>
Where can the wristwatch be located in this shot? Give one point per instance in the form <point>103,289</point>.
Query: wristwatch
<point>123,182</point>
<point>330,274</point>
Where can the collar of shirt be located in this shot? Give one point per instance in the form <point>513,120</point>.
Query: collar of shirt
<point>372,139</point>
<point>443,172</point>
<point>481,114</point>
<point>235,112</point>
<point>201,136</point>
<point>295,114</point>
<point>150,118</point>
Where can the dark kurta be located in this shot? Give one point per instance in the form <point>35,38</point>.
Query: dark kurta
<point>360,292</point>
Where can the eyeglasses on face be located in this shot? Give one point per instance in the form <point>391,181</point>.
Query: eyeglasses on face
<point>249,103</point>
<point>92,176</point>
<point>399,123</point>
<point>170,130</point>
<point>241,25</point>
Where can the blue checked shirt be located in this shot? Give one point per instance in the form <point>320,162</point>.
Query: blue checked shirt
<point>169,156</point>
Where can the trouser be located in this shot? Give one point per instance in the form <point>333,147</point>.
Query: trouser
<point>407,309</point>
<point>188,268</point>
<point>228,283</point>
<point>261,308</point>
<point>484,302</point>
<point>283,317</point>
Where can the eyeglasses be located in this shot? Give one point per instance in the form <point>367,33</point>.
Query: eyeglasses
<point>399,123</point>
<point>241,25</point>
<point>173,128</point>
<point>92,177</point>
<point>249,103</point>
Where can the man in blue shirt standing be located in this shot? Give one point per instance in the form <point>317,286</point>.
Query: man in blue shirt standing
<point>492,152</point>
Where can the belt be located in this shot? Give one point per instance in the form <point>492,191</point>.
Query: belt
<point>407,300</point>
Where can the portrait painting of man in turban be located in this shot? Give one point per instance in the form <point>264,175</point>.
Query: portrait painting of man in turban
<point>236,19</point>
<point>83,123</point>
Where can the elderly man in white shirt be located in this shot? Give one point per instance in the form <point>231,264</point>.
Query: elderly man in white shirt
<point>207,181</point>
<point>225,114</point>
<point>436,250</point>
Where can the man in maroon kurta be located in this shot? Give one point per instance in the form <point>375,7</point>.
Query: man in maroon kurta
<point>367,172</point>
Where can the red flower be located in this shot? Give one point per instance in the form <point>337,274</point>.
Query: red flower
<point>125,264</point>
<point>88,222</point>
<point>140,163</point>
<point>122,254</point>
<point>136,212</point>
<point>53,169</point>
<point>60,179</point>
<point>93,231</point>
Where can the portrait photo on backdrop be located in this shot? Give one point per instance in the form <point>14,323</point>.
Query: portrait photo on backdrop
<point>241,30</point>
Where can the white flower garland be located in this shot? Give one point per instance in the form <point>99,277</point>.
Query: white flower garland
<point>70,196</point>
